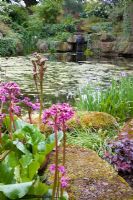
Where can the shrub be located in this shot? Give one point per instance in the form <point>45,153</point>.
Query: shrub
<point>7,46</point>
<point>121,154</point>
<point>48,11</point>
<point>116,100</point>
<point>18,14</point>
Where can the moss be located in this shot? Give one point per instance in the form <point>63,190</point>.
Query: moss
<point>92,119</point>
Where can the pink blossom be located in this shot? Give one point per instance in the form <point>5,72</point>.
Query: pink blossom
<point>9,91</point>
<point>64,181</point>
<point>58,114</point>
<point>16,110</point>
<point>61,169</point>
<point>34,106</point>
<point>52,168</point>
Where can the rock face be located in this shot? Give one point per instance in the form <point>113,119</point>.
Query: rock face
<point>92,178</point>
<point>127,130</point>
<point>92,119</point>
<point>107,45</point>
<point>42,46</point>
<point>64,47</point>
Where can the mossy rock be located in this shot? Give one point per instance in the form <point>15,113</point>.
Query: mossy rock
<point>92,120</point>
<point>92,178</point>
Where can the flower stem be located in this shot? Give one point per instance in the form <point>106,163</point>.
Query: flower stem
<point>56,161</point>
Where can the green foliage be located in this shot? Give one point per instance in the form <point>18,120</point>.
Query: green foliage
<point>88,138</point>
<point>48,11</point>
<point>116,100</point>
<point>101,26</point>
<point>21,158</point>
<point>18,14</point>
<point>73,6</point>
<point>7,46</point>
<point>98,9</point>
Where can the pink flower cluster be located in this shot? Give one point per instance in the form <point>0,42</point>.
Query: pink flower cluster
<point>63,180</point>
<point>9,91</point>
<point>28,103</point>
<point>58,114</point>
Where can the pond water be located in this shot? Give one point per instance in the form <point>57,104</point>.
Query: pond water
<point>63,79</point>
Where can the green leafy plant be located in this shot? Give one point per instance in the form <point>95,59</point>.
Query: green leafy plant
<point>116,100</point>
<point>20,159</point>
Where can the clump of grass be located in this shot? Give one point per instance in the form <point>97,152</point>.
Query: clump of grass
<point>116,100</point>
<point>93,139</point>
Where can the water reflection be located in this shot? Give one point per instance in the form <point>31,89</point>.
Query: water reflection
<point>63,79</point>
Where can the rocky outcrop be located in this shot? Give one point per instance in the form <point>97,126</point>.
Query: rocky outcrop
<point>92,178</point>
<point>105,44</point>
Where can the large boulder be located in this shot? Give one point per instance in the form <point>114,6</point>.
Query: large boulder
<point>42,46</point>
<point>64,47</point>
<point>106,37</point>
<point>92,120</point>
<point>129,49</point>
<point>92,178</point>
<point>107,47</point>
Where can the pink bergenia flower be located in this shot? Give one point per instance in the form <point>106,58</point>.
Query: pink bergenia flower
<point>52,168</point>
<point>34,106</point>
<point>17,110</point>
<point>64,181</point>
<point>9,91</point>
<point>61,169</point>
<point>58,115</point>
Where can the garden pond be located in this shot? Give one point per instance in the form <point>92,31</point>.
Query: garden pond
<point>63,79</point>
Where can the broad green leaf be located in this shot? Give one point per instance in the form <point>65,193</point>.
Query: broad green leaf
<point>38,188</point>
<point>15,191</point>
<point>42,146</point>
<point>33,168</point>
<point>6,173</point>
<point>17,174</point>
<point>21,146</point>
<point>26,160</point>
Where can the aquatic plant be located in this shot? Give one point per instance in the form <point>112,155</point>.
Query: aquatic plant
<point>116,99</point>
